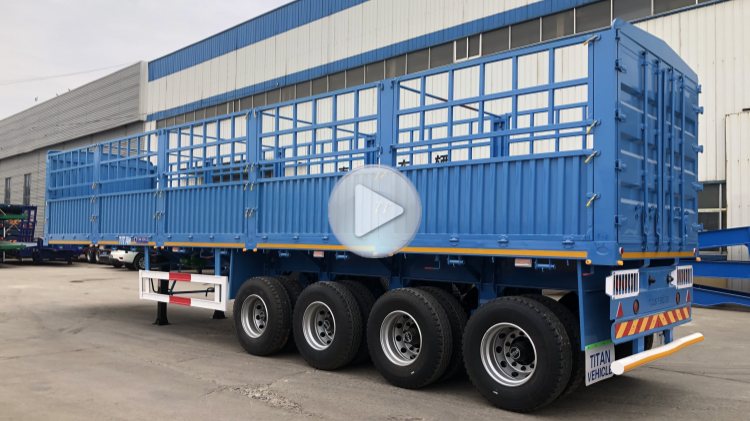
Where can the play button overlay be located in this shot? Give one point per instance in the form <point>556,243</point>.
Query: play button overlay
<point>374,211</point>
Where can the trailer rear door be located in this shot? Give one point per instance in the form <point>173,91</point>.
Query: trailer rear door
<point>657,168</point>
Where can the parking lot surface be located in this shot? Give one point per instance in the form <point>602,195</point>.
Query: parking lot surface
<point>76,343</point>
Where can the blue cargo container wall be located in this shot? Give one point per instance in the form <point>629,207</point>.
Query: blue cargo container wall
<point>553,168</point>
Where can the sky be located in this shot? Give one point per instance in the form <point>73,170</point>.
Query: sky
<point>50,46</point>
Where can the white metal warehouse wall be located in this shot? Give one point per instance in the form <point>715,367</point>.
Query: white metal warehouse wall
<point>713,41</point>
<point>365,27</point>
<point>738,175</point>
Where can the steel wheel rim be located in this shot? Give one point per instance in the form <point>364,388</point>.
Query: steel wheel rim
<point>508,354</point>
<point>254,316</point>
<point>400,338</point>
<point>318,325</point>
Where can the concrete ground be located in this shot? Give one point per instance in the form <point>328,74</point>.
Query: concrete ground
<point>76,343</point>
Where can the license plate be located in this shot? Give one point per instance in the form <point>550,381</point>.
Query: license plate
<point>599,356</point>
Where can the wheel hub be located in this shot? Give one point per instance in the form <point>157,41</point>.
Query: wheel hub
<point>254,316</point>
<point>508,354</point>
<point>400,338</point>
<point>318,325</point>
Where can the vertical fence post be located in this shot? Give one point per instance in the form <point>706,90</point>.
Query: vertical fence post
<point>253,148</point>
<point>387,124</point>
<point>162,167</point>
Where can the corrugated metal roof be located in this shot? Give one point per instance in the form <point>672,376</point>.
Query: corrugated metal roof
<point>103,104</point>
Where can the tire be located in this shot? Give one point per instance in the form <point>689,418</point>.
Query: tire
<point>326,309</point>
<point>275,310</point>
<point>542,361</point>
<point>572,328</point>
<point>117,264</point>
<point>457,318</point>
<point>139,263</point>
<point>293,290</point>
<point>91,256</point>
<point>365,300</point>
<point>390,330</point>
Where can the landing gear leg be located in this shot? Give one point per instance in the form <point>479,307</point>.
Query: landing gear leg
<point>161,308</point>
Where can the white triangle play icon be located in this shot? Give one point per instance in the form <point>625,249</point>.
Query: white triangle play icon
<point>372,210</point>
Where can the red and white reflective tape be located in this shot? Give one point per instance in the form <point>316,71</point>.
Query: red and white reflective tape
<point>148,287</point>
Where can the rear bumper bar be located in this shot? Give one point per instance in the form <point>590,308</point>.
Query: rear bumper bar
<point>624,365</point>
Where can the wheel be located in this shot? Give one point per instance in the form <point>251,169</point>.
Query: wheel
<point>517,353</point>
<point>139,263</point>
<point>262,315</point>
<point>327,325</point>
<point>572,328</point>
<point>365,300</point>
<point>457,318</point>
<point>409,338</point>
<point>117,264</point>
<point>91,256</point>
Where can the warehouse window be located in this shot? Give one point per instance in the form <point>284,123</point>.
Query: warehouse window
<point>273,96</point>
<point>712,206</point>
<point>593,16</point>
<point>417,61</point>
<point>395,66</point>
<point>524,33</point>
<point>27,189</point>
<point>495,41</point>
<point>375,72</point>
<point>355,76</point>
<point>557,25</point>
<point>440,55</point>
<point>661,6</point>
<point>6,198</point>
<point>337,81</point>
<point>259,100</point>
<point>631,9</point>
<point>467,48</point>
<point>303,89</point>
<point>320,85</point>
<point>246,103</point>
<point>287,93</point>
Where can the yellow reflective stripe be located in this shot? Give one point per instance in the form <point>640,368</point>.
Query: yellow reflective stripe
<point>211,245</point>
<point>655,254</point>
<point>440,250</point>
<point>654,319</point>
<point>633,327</point>
<point>621,330</point>
<point>69,242</point>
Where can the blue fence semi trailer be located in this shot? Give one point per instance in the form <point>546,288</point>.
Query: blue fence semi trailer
<point>568,166</point>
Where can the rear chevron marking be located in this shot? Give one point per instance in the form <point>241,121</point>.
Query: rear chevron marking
<point>643,324</point>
